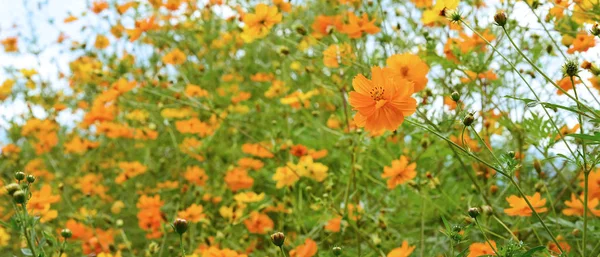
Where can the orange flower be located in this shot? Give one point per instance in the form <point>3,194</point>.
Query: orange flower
<point>403,251</point>
<point>192,213</point>
<point>150,216</point>
<point>10,44</point>
<point>259,223</point>
<point>566,84</point>
<point>338,54</point>
<point>141,26</point>
<point>99,6</point>
<point>518,206</point>
<point>357,26</point>
<point>298,150</point>
<point>582,43</point>
<point>308,249</point>
<point>399,173</point>
<point>174,57</point>
<point>482,249</point>
<point>130,170</point>
<point>553,248</point>
<point>564,130</point>
<point>334,225</point>
<point>195,91</point>
<point>410,67</point>
<point>238,179</point>
<point>575,206</point>
<point>40,202</point>
<point>250,163</point>
<point>283,5</point>
<point>257,150</point>
<point>195,175</point>
<point>323,25</point>
<point>473,76</point>
<point>383,102</point>
<point>593,184</point>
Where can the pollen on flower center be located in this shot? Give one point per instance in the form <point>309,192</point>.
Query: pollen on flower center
<point>404,71</point>
<point>377,93</point>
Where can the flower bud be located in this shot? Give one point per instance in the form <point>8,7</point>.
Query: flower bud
<point>11,188</point>
<point>66,233</point>
<point>19,196</point>
<point>473,212</point>
<point>19,175</point>
<point>595,30</point>
<point>278,239</point>
<point>456,17</point>
<point>300,29</point>
<point>284,50</point>
<point>570,68</point>
<point>337,251</point>
<point>511,154</point>
<point>537,166</point>
<point>468,120</point>
<point>455,96</point>
<point>500,19</point>
<point>487,210</point>
<point>180,226</point>
<point>576,232</point>
<point>30,178</point>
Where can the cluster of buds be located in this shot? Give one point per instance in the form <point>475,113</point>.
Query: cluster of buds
<point>17,190</point>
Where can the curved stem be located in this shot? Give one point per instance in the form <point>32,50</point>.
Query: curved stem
<point>535,67</point>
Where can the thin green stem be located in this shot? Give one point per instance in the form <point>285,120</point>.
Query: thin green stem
<point>526,83</point>
<point>537,215</point>
<point>25,230</point>
<point>535,67</point>
<point>282,252</point>
<point>485,237</point>
<point>586,177</point>
<point>181,245</point>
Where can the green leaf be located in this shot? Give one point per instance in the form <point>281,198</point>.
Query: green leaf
<point>463,253</point>
<point>26,252</point>
<point>533,250</point>
<point>595,139</point>
<point>525,100</point>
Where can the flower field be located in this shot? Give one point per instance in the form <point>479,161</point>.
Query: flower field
<point>229,128</point>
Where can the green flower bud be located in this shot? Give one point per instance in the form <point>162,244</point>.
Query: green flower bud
<point>278,239</point>
<point>19,196</point>
<point>473,212</point>
<point>337,251</point>
<point>66,233</point>
<point>30,178</point>
<point>180,226</point>
<point>500,19</point>
<point>468,119</point>
<point>12,187</point>
<point>455,96</point>
<point>19,175</point>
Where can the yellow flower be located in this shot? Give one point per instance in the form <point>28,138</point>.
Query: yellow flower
<point>4,237</point>
<point>259,23</point>
<point>308,168</point>
<point>285,176</point>
<point>249,197</point>
<point>116,207</point>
